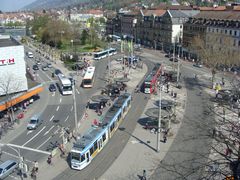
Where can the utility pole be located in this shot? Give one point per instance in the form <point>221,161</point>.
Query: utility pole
<point>178,68</point>
<point>159,117</point>
<point>75,107</point>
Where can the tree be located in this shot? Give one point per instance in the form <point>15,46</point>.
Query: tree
<point>9,84</point>
<point>84,37</point>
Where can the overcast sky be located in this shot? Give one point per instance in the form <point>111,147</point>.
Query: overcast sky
<point>13,5</point>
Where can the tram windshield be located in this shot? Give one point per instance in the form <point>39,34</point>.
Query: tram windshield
<point>75,156</point>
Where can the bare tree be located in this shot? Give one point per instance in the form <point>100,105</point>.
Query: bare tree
<point>9,85</point>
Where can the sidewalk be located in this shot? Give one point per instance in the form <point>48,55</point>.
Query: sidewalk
<point>59,165</point>
<point>140,152</point>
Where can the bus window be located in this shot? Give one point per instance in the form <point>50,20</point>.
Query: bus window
<point>91,151</point>
<point>112,127</point>
<point>95,146</point>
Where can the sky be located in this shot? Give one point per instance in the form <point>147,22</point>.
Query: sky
<point>13,5</point>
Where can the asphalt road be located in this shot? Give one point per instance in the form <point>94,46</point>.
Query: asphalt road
<point>37,144</point>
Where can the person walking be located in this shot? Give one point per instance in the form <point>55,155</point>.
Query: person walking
<point>144,176</point>
<point>36,166</point>
<point>164,138</point>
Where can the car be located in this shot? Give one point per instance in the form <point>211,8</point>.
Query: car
<point>119,59</point>
<point>34,123</point>
<point>57,71</point>
<point>52,88</point>
<point>197,65</point>
<point>173,58</point>
<point>35,67</point>
<point>44,68</point>
<point>49,65</point>
<point>30,54</point>
<point>7,167</point>
<point>38,63</point>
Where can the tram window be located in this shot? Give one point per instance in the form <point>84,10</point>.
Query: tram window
<point>112,127</point>
<point>124,109</point>
<point>104,137</point>
<point>128,103</point>
<point>75,156</point>
<point>119,117</point>
<point>95,146</point>
<point>91,151</point>
<point>82,157</point>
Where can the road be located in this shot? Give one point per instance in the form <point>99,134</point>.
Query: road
<point>37,144</point>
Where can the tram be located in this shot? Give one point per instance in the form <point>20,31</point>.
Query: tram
<point>93,141</point>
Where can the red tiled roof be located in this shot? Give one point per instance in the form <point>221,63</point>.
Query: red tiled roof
<point>221,15</point>
<point>156,12</point>
<point>219,8</point>
<point>236,8</point>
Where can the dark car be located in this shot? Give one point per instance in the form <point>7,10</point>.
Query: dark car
<point>173,58</point>
<point>57,72</point>
<point>35,67</point>
<point>52,88</point>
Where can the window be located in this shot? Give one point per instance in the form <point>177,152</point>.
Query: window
<point>230,32</point>
<point>104,137</point>
<point>119,117</point>
<point>91,151</point>
<point>225,31</point>
<point>235,33</point>
<point>239,43</point>
<point>112,127</point>
<point>82,157</point>
<point>95,146</point>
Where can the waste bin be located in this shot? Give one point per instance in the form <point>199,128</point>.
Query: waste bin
<point>53,75</point>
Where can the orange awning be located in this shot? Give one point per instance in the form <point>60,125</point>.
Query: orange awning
<point>20,98</point>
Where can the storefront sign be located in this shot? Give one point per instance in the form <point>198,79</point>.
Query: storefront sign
<point>4,62</point>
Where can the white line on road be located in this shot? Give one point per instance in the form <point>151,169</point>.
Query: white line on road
<point>57,130</point>
<point>48,130</point>
<point>57,108</point>
<point>29,132</point>
<point>66,118</point>
<point>15,156</point>
<point>77,91</point>
<point>51,118</point>
<point>71,108</point>
<point>34,136</point>
<point>60,100</point>
<point>30,149</point>
<point>44,142</point>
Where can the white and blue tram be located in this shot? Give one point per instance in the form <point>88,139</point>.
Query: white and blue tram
<point>93,141</point>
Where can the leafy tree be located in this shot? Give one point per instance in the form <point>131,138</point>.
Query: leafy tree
<point>84,37</point>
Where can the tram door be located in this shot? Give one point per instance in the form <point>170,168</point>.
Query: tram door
<point>100,143</point>
<point>88,157</point>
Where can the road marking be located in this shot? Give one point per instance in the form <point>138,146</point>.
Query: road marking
<point>44,142</point>
<point>60,100</point>
<point>34,136</point>
<point>77,91</point>
<point>57,108</point>
<point>71,108</point>
<point>48,130</point>
<point>29,149</point>
<point>57,130</point>
<point>66,118</point>
<point>135,141</point>
<point>29,132</point>
<point>51,118</point>
<point>53,94</point>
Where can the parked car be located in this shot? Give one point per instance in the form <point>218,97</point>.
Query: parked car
<point>35,67</point>
<point>44,68</point>
<point>199,65</point>
<point>52,88</point>
<point>7,167</point>
<point>30,54</point>
<point>34,123</point>
<point>38,62</point>
<point>173,59</point>
<point>49,65</point>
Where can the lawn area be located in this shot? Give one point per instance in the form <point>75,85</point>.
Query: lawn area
<point>79,48</point>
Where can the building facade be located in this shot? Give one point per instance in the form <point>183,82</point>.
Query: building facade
<point>12,66</point>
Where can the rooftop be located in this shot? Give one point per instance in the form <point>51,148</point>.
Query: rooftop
<point>219,15</point>
<point>6,40</point>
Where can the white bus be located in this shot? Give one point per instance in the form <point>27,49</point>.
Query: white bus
<point>88,78</point>
<point>104,53</point>
<point>65,85</point>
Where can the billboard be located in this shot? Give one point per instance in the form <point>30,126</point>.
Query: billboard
<point>12,70</point>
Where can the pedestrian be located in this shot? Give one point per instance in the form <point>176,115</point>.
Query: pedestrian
<point>88,105</point>
<point>167,87</point>
<point>164,138</point>
<point>36,166</point>
<point>213,132</point>
<point>49,160</point>
<point>144,176</point>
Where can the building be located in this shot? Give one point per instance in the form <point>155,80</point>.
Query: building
<point>15,86</point>
<point>12,66</point>
<point>218,30</point>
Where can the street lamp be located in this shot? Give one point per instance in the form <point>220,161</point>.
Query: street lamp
<point>75,106</point>
<point>159,115</point>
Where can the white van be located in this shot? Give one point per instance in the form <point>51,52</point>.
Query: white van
<point>30,54</point>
